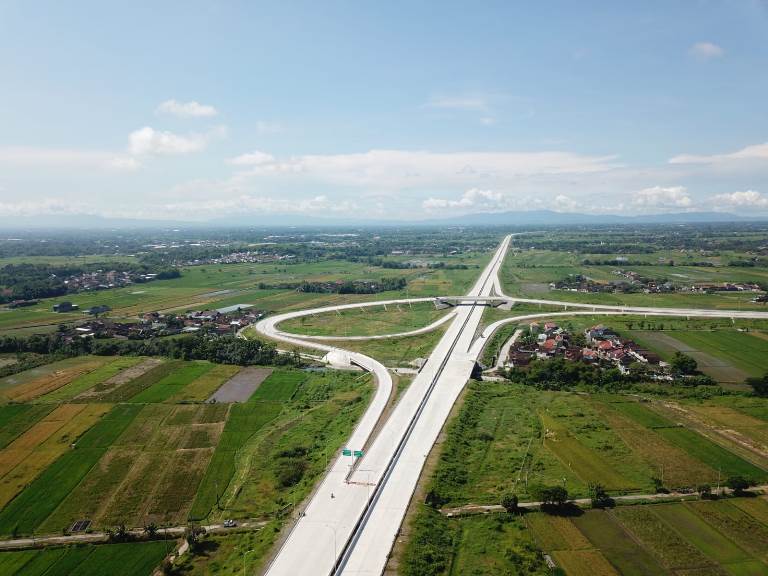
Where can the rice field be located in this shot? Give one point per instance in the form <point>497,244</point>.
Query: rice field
<point>150,473</point>
<point>691,442</point>
<point>29,389</point>
<point>177,378</point>
<point>89,380</point>
<point>31,453</point>
<point>244,421</point>
<point>43,495</point>
<point>280,386</point>
<point>129,559</point>
<point>202,387</point>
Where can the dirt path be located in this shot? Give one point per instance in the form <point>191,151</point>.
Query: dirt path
<point>100,537</point>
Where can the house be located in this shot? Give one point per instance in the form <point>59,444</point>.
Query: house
<point>550,327</point>
<point>605,346</point>
<point>589,355</point>
<point>573,353</point>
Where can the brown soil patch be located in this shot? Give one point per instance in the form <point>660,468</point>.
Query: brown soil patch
<point>122,377</point>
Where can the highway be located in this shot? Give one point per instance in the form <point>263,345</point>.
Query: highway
<point>352,518</point>
<point>343,530</point>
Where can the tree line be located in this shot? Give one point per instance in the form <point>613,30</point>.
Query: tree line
<point>225,349</point>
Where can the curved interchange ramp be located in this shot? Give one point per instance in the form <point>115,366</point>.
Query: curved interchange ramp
<point>351,521</point>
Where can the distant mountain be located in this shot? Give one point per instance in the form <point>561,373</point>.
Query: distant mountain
<point>517,219</point>
<point>551,218</point>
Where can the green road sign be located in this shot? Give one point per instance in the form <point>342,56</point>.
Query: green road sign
<point>358,453</point>
<point>346,452</point>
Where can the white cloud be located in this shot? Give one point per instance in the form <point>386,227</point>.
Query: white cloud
<point>564,203</point>
<point>65,157</point>
<point>472,198</point>
<point>250,203</point>
<point>754,152</point>
<point>254,158</point>
<point>487,121</point>
<point>399,169</point>
<point>147,140</point>
<point>459,102</point>
<point>190,109</point>
<point>478,200</point>
<point>706,50</point>
<point>738,200</point>
<point>661,197</point>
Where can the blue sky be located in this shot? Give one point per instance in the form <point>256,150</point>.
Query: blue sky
<point>195,110</point>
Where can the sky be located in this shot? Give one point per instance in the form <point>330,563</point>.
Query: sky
<point>382,110</point>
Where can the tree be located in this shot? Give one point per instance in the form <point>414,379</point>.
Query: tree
<point>118,534</point>
<point>759,385</point>
<point>151,530</point>
<point>704,490</point>
<point>509,501</point>
<point>739,483</point>
<point>683,364</point>
<point>193,535</point>
<point>550,495</point>
<point>597,495</point>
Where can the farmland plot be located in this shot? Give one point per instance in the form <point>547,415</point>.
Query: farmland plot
<point>584,563</point>
<point>279,386</point>
<point>15,380</point>
<point>15,419</point>
<point>125,392</point>
<point>173,383</point>
<point>44,494</point>
<point>44,384</point>
<point>91,379</point>
<point>150,473</point>
<point>111,385</point>
<point>579,437</point>
<point>697,446</point>
<point>702,535</point>
<point>673,550</point>
<point>612,540</point>
<point>202,387</point>
<point>751,534</point>
<point>129,559</point>
<point>244,421</point>
<point>31,453</point>
<point>678,468</point>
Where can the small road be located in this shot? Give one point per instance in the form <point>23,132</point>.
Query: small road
<point>98,537</point>
<point>504,352</point>
<point>472,509</point>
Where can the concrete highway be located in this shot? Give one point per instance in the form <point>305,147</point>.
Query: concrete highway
<point>344,516</point>
<point>352,519</point>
